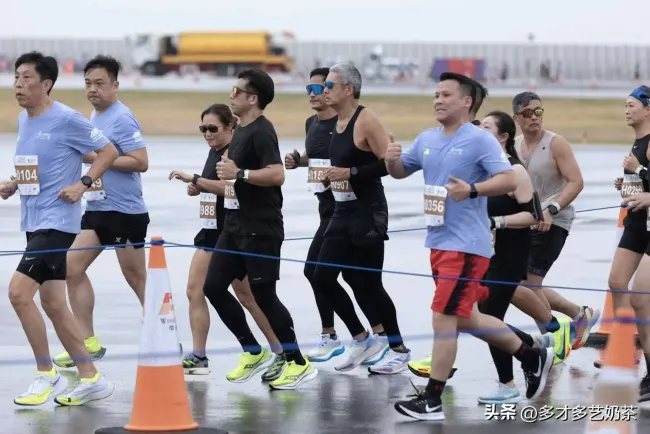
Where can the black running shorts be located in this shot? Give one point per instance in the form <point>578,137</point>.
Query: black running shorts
<point>634,240</point>
<point>114,228</point>
<point>42,267</point>
<point>545,249</point>
<point>207,238</point>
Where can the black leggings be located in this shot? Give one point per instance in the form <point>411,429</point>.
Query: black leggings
<point>322,301</point>
<point>496,305</point>
<point>366,285</point>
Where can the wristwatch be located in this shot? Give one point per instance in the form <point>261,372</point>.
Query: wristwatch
<point>554,208</point>
<point>243,174</point>
<point>641,171</point>
<point>473,194</point>
<point>195,179</point>
<point>87,181</point>
<point>354,171</point>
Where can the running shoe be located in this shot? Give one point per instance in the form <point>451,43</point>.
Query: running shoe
<point>587,318</point>
<point>276,368</point>
<point>422,368</point>
<point>44,386</point>
<point>379,349</point>
<point>86,390</point>
<point>358,351</point>
<point>536,376</point>
<point>393,363</point>
<point>421,406</point>
<point>249,365</point>
<point>94,348</point>
<point>502,395</point>
<point>294,375</point>
<point>563,338</point>
<point>195,365</point>
<point>325,349</point>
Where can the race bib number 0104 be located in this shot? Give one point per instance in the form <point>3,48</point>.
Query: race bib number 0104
<point>27,174</point>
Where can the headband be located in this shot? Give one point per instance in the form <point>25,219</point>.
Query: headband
<point>642,95</point>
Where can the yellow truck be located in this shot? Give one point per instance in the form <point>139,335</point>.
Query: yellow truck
<point>221,53</point>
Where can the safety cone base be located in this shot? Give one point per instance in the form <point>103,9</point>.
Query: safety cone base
<point>121,430</point>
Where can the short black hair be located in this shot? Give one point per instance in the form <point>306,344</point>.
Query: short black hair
<point>523,99</point>
<point>320,71</point>
<point>260,84</point>
<point>46,66</point>
<point>109,63</point>
<point>468,87</point>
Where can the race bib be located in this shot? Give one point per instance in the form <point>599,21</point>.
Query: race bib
<point>632,184</point>
<point>435,198</point>
<point>230,200</point>
<point>96,191</point>
<point>342,191</point>
<point>208,211</point>
<point>27,175</point>
<point>316,175</point>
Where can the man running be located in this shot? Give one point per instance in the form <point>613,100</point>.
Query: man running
<point>254,229</point>
<point>116,214</point>
<point>52,139</point>
<point>557,179</point>
<point>317,157</point>
<point>467,164</point>
<point>357,231</point>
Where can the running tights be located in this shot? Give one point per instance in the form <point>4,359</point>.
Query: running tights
<point>496,305</point>
<point>366,285</point>
<point>232,314</point>
<point>322,301</point>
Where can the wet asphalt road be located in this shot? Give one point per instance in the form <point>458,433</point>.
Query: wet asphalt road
<point>335,402</point>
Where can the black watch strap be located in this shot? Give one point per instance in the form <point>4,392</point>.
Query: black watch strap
<point>473,194</point>
<point>87,181</point>
<point>195,179</point>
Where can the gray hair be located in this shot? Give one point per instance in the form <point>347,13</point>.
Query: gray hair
<point>349,75</point>
<point>523,99</point>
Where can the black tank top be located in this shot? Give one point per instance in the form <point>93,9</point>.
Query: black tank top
<point>344,153</point>
<point>317,145</point>
<point>210,172</point>
<point>511,246</point>
<point>637,219</point>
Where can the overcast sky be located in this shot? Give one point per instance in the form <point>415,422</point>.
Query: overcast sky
<point>578,21</point>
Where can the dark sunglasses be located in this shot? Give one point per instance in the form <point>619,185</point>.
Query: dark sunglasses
<point>316,88</point>
<point>528,113</point>
<point>330,84</point>
<point>237,90</point>
<point>205,128</point>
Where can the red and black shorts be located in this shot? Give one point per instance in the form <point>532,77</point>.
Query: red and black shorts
<point>457,275</point>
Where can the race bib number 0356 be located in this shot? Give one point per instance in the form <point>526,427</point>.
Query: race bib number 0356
<point>435,198</point>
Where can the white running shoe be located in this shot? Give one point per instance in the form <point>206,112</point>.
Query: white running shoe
<point>325,349</point>
<point>42,389</point>
<point>392,363</point>
<point>358,352</point>
<point>87,390</point>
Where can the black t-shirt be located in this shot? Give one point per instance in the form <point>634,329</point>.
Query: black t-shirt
<point>255,147</point>
<point>210,172</point>
<point>317,145</point>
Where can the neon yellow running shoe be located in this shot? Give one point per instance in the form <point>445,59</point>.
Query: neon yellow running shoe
<point>249,365</point>
<point>95,350</point>
<point>563,340</point>
<point>422,368</point>
<point>44,386</point>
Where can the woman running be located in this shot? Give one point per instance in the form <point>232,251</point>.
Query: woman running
<point>511,216</point>
<point>217,126</point>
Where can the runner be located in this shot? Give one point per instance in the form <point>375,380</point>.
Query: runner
<point>52,139</point>
<point>511,216</point>
<point>356,233</point>
<point>116,214</point>
<point>467,164</point>
<point>217,125</point>
<point>634,241</point>
<point>253,226</point>
<point>558,181</point>
<point>316,156</point>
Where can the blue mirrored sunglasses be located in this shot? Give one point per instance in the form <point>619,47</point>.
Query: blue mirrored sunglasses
<point>316,88</point>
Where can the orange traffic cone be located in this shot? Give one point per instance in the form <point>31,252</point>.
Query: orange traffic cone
<point>161,403</point>
<point>617,386</point>
<point>598,339</point>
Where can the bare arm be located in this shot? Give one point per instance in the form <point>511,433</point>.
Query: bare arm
<point>523,194</point>
<point>375,134</point>
<point>500,183</point>
<point>569,170</point>
<point>134,161</point>
<point>106,156</point>
<point>396,169</point>
<point>211,186</point>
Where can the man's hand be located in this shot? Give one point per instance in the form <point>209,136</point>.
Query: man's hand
<point>393,150</point>
<point>630,163</point>
<point>72,193</point>
<point>193,190</point>
<point>637,202</point>
<point>227,169</point>
<point>458,189</point>
<point>177,174</point>
<point>7,189</point>
<point>544,226</point>
<point>290,160</point>
<point>338,174</point>
<point>618,182</point>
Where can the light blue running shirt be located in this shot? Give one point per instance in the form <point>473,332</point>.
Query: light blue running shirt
<point>123,190</point>
<point>472,155</point>
<point>49,154</point>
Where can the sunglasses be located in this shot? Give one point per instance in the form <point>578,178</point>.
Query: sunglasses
<point>205,128</point>
<point>528,113</point>
<point>317,89</point>
<point>330,84</point>
<point>237,90</point>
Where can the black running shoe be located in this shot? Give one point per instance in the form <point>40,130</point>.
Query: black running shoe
<point>536,378</point>
<point>644,390</point>
<point>420,407</point>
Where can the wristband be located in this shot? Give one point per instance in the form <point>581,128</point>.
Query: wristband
<point>500,222</point>
<point>296,159</point>
<point>369,171</point>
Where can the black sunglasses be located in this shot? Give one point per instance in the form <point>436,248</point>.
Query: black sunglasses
<point>205,128</point>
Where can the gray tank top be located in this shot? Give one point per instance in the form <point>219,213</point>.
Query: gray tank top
<point>547,182</point>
